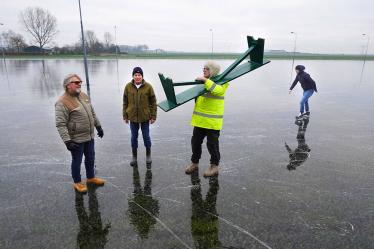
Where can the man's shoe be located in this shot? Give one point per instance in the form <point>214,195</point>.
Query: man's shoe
<point>97,181</point>
<point>191,168</point>
<point>211,171</point>
<point>80,187</point>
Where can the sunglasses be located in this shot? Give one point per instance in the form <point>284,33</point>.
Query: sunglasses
<point>76,82</point>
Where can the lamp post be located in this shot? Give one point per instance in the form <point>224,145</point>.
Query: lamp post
<point>211,30</point>
<point>115,43</point>
<point>294,51</point>
<point>84,51</point>
<point>3,52</point>
<point>365,55</point>
<point>2,45</point>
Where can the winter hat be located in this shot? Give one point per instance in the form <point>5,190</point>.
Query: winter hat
<point>300,67</point>
<point>213,68</point>
<point>137,70</point>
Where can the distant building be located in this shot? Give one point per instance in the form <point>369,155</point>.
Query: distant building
<point>37,50</point>
<point>277,52</point>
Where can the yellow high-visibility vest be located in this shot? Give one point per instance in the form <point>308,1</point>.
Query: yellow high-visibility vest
<point>209,108</point>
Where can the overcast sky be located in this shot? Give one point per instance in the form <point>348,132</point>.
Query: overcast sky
<point>323,26</point>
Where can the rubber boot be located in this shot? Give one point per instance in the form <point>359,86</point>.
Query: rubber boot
<point>134,160</point>
<point>148,155</point>
<point>211,171</point>
<point>191,168</point>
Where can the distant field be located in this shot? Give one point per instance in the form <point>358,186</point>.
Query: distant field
<point>216,56</point>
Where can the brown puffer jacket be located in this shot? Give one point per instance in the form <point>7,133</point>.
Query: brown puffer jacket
<point>139,105</point>
<point>75,118</point>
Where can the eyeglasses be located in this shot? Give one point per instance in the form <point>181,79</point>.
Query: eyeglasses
<point>205,68</point>
<point>76,82</point>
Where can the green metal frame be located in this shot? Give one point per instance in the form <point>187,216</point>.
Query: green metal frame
<point>236,69</point>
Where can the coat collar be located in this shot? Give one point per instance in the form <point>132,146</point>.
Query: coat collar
<point>142,84</point>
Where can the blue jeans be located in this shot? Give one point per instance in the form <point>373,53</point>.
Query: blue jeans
<point>134,126</point>
<point>88,149</point>
<point>304,100</point>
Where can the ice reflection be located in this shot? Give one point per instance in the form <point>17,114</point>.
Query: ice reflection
<point>143,208</point>
<point>302,152</point>
<point>204,219</point>
<point>92,232</point>
<point>48,81</point>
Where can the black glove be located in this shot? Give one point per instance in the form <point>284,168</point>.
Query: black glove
<point>70,145</point>
<point>100,131</point>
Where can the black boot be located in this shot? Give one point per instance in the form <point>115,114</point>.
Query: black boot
<point>148,156</point>
<point>134,160</point>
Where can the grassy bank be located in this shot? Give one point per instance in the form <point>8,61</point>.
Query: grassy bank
<point>215,56</point>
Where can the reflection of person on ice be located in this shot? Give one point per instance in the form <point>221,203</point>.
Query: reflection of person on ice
<point>92,232</point>
<point>204,218</point>
<point>302,152</point>
<point>309,87</point>
<point>207,119</point>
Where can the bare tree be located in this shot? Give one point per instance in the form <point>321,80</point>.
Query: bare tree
<point>18,42</point>
<point>93,43</point>
<point>41,24</point>
<point>13,41</point>
<point>108,39</point>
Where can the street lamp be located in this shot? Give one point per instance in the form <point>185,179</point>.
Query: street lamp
<point>366,53</point>
<point>2,44</point>
<point>294,51</point>
<point>211,30</point>
<point>115,43</point>
<point>84,52</point>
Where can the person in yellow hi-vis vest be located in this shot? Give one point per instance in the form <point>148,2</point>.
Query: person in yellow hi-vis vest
<point>207,119</point>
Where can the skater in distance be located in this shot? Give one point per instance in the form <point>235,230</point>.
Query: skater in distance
<point>309,87</point>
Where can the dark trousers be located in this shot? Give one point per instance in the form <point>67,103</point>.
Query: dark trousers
<point>134,127</point>
<point>88,150</point>
<point>212,143</point>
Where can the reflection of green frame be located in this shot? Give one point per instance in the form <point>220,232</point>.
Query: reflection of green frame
<point>256,55</point>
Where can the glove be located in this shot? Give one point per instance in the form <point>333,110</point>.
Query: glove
<point>100,131</point>
<point>70,145</point>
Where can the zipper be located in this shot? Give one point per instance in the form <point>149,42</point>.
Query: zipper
<point>88,116</point>
<point>137,101</point>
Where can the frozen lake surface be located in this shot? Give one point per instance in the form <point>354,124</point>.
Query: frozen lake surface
<point>256,202</point>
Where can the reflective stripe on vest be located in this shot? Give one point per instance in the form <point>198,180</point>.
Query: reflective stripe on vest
<point>207,115</point>
<point>212,87</point>
<point>211,96</point>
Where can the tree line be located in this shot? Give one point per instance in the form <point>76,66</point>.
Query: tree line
<point>41,27</point>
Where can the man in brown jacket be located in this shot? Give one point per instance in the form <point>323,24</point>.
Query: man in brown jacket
<point>140,108</point>
<point>75,122</point>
